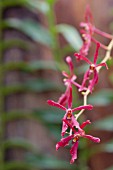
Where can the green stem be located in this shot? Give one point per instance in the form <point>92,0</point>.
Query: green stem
<point>1,99</point>
<point>51,24</point>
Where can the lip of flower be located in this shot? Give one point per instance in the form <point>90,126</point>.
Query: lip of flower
<point>69,114</point>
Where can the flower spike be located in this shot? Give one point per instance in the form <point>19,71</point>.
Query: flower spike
<point>71,128</point>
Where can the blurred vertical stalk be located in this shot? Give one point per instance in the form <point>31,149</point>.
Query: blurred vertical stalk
<point>1,94</point>
<point>52,27</point>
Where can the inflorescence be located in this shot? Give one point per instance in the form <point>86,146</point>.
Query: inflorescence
<point>90,79</point>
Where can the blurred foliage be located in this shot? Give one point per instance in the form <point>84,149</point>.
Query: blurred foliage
<point>102,97</point>
<point>105,124</point>
<point>47,37</point>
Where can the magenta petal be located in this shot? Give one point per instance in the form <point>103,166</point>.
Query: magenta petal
<point>69,123</point>
<point>102,64</point>
<point>93,81</point>
<point>69,61</point>
<point>86,77</point>
<point>64,128</point>
<point>83,58</point>
<point>63,142</point>
<point>65,74</point>
<point>64,97</point>
<point>96,53</point>
<point>52,103</point>
<point>64,125</point>
<point>70,98</point>
<point>73,152</point>
<point>76,84</point>
<point>88,107</point>
<point>88,14</point>
<point>75,123</point>
<point>94,139</point>
<point>85,123</point>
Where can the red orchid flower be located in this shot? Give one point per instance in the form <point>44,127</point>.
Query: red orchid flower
<point>87,31</point>
<point>92,70</point>
<point>69,112</point>
<point>75,139</point>
<point>68,81</point>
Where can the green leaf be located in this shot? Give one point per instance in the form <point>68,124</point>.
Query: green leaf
<point>51,2</point>
<point>18,143</point>
<point>105,124</point>
<point>32,29</point>
<point>71,35</point>
<point>102,97</point>
<point>34,4</point>
<point>40,5</point>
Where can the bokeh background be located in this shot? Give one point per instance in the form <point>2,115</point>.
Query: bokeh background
<point>35,38</point>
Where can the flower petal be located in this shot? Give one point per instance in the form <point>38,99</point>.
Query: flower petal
<point>86,77</point>
<point>70,98</point>
<point>93,81</point>
<point>83,58</point>
<point>88,107</point>
<point>73,152</point>
<point>88,14</point>
<point>65,74</point>
<point>69,62</point>
<point>64,125</point>
<point>52,103</point>
<point>64,97</point>
<point>85,123</point>
<point>96,53</point>
<point>63,142</point>
<point>75,122</point>
<point>94,139</point>
<point>69,123</point>
<point>102,64</point>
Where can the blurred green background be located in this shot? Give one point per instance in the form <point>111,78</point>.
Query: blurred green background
<point>35,38</point>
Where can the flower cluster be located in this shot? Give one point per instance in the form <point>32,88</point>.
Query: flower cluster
<point>70,125</point>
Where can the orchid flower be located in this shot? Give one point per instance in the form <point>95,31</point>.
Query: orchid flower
<point>75,139</point>
<point>69,112</point>
<point>68,81</point>
<point>87,31</point>
<point>92,69</point>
